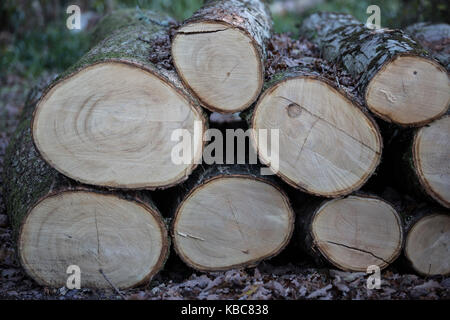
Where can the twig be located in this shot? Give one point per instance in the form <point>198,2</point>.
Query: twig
<point>110,283</point>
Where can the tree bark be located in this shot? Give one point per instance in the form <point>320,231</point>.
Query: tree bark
<point>121,100</point>
<point>350,233</point>
<point>435,38</point>
<point>379,60</point>
<point>229,216</point>
<point>297,102</point>
<point>48,242</point>
<point>224,40</point>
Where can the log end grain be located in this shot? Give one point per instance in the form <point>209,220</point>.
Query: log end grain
<point>355,232</point>
<point>427,244</point>
<point>430,155</point>
<point>231,222</point>
<point>111,240</point>
<point>409,90</point>
<point>220,63</point>
<point>327,145</point>
<point>117,133</point>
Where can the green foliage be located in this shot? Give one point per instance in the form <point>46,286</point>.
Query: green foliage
<point>179,9</point>
<point>390,10</point>
<point>54,48</point>
<point>32,47</point>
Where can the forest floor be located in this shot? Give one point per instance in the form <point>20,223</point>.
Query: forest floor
<point>276,279</point>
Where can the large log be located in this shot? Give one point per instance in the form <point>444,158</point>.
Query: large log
<point>219,53</point>
<point>114,238</point>
<point>108,119</point>
<point>350,233</point>
<point>435,38</point>
<point>427,241</point>
<point>399,80</point>
<point>328,145</point>
<point>230,217</point>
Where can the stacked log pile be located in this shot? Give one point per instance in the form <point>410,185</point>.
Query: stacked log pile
<point>92,148</point>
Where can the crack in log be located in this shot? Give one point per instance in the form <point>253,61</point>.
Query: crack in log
<point>185,235</point>
<point>331,124</point>
<point>111,284</point>
<point>358,249</point>
<point>200,32</point>
<point>244,239</point>
<point>307,136</point>
<point>98,237</point>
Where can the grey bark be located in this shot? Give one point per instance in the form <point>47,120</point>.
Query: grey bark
<point>435,38</point>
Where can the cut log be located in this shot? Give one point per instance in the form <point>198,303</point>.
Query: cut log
<point>424,165</point>
<point>399,80</point>
<point>428,241</point>
<point>108,120</point>
<point>328,145</point>
<point>435,38</point>
<point>351,233</point>
<point>113,237</point>
<point>230,217</point>
<point>219,53</point>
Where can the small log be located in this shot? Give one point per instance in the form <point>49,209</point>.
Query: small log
<point>328,145</point>
<point>230,217</point>
<point>113,237</point>
<point>400,82</point>
<point>421,161</point>
<point>108,119</point>
<point>219,53</point>
<point>427,242</point>
<point>351,233</point>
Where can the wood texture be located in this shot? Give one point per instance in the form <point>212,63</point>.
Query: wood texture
<point>428,241</point>
<point>108,119</point>
<point>351,233</point>
<point>328,145</point>
<point>419,159</point>
<point>399,80</point>
<point>230,217</point>
<point>219,53</point>
<point>58,222</point>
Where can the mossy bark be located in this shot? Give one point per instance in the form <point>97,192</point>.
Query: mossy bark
<point>362,51</point>
<point>126,18</point>
<point>435,38</point>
